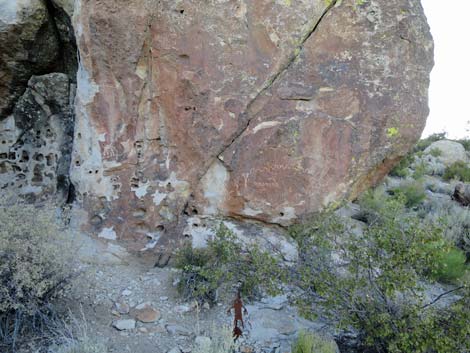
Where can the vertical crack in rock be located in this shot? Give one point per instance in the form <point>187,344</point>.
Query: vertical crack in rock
<point>276,76</point>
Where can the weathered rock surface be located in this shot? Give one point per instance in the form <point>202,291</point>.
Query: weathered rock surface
<point>265,109</point>
<point>450,151</point>
<point>254,126</point>
<point>36,140</point>
<point>36,38</point>
<point>462,194</point>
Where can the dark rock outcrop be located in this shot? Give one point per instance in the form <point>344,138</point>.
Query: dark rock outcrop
<point>36,140</point>
<point>462,194</point>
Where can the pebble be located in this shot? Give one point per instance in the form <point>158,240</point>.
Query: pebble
<point>122,307</point>
<point>126,292</point>
<point>246,349</point>
<point>174,329</point>
<point>181,309</point>
<point>122,325</point>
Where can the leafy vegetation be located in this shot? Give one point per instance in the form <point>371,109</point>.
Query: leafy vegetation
<point>373,282</point>
<point>451,264</point>
<point>413,193</point>
<point>458,171</point>
<point>426,142</point>
<point>35,267</point>
<point>224,263</point>
<point>312,343</point>
<point>401,169</point>
<point>435,152</point>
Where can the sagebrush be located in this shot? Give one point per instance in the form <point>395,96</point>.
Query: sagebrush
<point>35,267</point>
<point>225,263</point>
<point>374,282</point>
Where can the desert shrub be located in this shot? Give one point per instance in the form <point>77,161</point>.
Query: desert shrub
<point>435,152</point>
<point>451,264</point>
<point>373,282</point>
<point>420,170</point>
<point>465,143</point>
<point>35,267</point>
<point>426,142</point>
<point>371,203</point>
<point>313,343</point>
<point>459,171</point>
<point>223,263</point>
<point>402,168</point>
<point>413,193</point>
<point>454,219</point>
<point>75,336</point>
<point>221,342</point>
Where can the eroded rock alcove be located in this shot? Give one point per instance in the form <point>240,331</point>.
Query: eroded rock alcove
<point>38,64</point>
<point>263,111</point>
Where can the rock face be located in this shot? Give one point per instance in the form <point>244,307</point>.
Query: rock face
<point>34,36</point>
<point>38,62</point>
<point>36,140</point>
<point>268,110</point>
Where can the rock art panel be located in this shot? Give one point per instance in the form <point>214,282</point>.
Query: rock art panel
<point>264,110</point>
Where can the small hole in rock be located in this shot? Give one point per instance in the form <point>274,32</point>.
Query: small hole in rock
<point>194,211</point>
<point>160,228</point>
<point>187,235</point>
<point>181,11</point>
<point>281,214</point>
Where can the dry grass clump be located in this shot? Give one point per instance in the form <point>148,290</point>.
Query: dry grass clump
<point>35,268</point>
<point>76,337</point>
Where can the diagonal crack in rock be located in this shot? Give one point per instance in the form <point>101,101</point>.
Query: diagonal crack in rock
<point>275,77</point>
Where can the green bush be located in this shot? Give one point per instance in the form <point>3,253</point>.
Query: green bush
<point>426,142</point>
<point>413,193</point>
<point>373,282</point>
<point>312,343</point>
<point>224,263</point>
<point>401,169</point>
<point>465,143</point>
<point>451,265</point>
<point>35,266</point>
<point>455,221</point>
<point>459,171</point>
<point>435,152</point>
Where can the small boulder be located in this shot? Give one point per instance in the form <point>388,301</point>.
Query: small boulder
<point>146,313</point>
<point>451,151</point>
<point>462,194</point>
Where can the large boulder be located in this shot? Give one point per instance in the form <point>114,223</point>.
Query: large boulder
<point>28,46</point>
<point>264,110</point>
<point>449,152</point>
<point>36,38</point>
